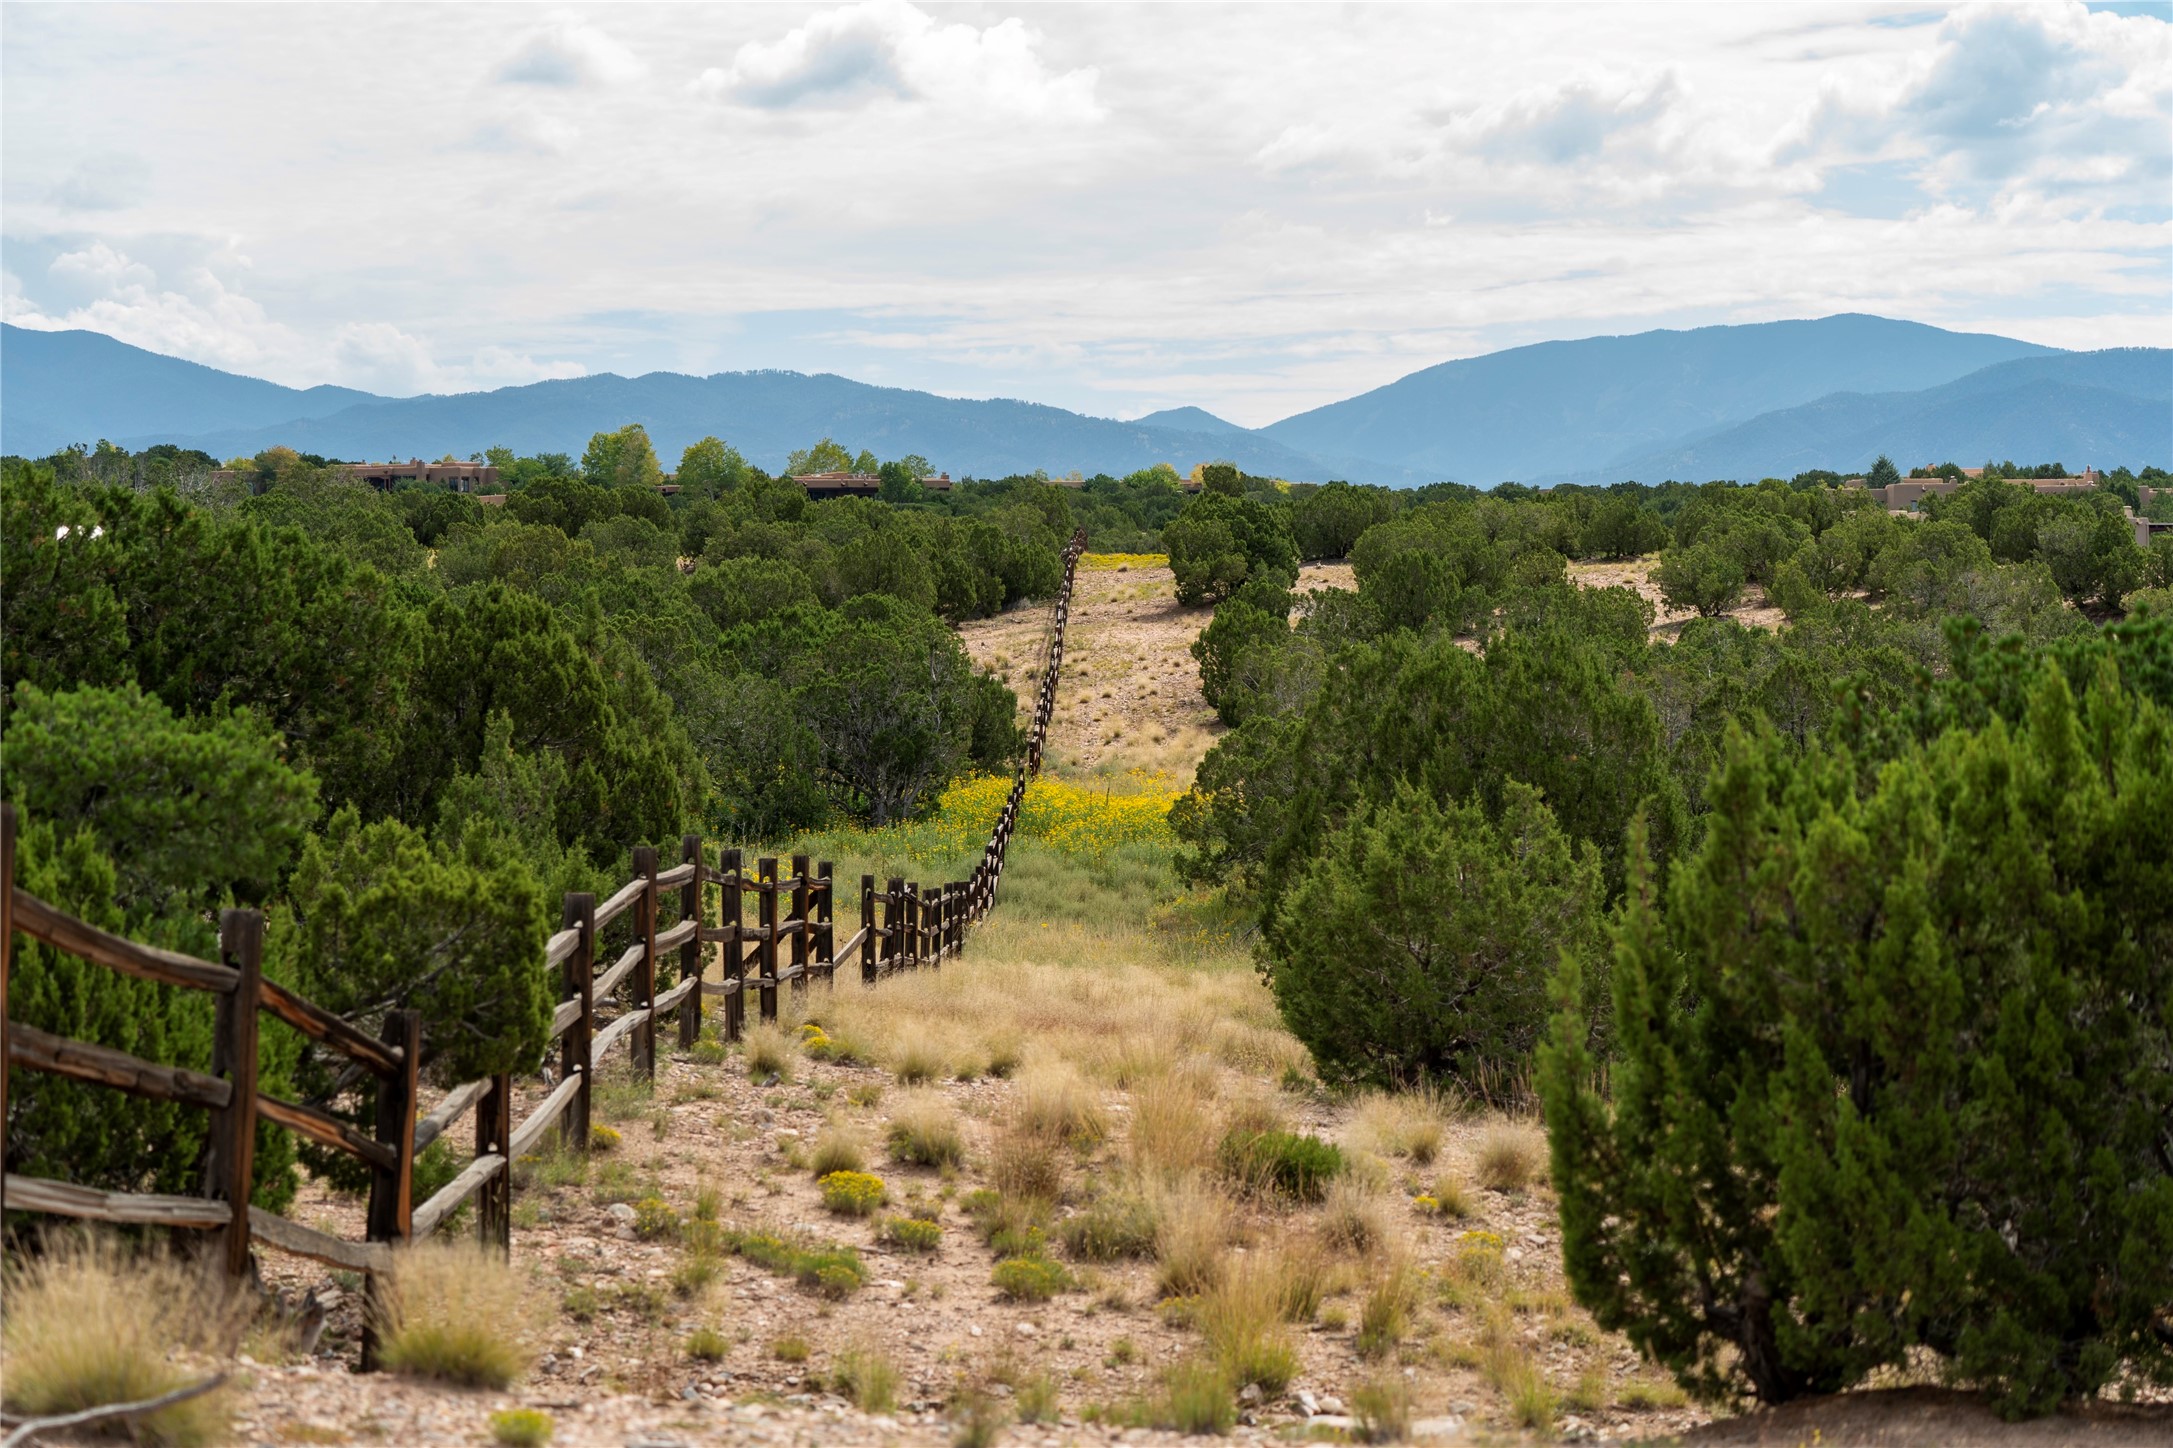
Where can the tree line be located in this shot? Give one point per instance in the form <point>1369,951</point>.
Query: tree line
<point>1839,955</point>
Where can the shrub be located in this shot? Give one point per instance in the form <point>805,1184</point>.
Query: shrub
<point>924,1132</point>
<point>1026,1165</point>
<point>978,1422</point>
<point>1418,941</point>
<point>1896,1079</point>
<point>838,1147</point>
<point>603,1138</point>
<point>1385,1316</point>
<point>87,1325</point>
<point>1030,1279</point>
<point>1449,1197</point>
<point>768,1053</point>
<point>1405,1123</point>
<point>1036,1399</point>
<point>1298,1167</point>
<point>457,1314</point>
<point>1196,1398</point>
<point>521,1427</point>
<point>865,1376</point>
<point>655,1219</point>
<point>912,1233</point>
<point>1117,1223</point>
<point>706,1344</point>
<point>853,1193</point>
<point>1218,542</point>
<point>1512,1155</point>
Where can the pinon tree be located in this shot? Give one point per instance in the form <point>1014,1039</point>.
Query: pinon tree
<point>1892,1067</point>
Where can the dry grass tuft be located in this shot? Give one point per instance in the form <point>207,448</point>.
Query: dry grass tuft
<point>1242,1318</point>
<point>1512,1155</point>
<point>918,1059</point>
<point>1192,1229</point>
<point>1024,1164</point>
<point>457,1313</point>
<point>1174,1130</point>
<point>1357,1219</point>
<point>1409,1124</point>
<point>89,1324</point>
<point>769,1052</point>
<point>924,1131</point>
<point>1391,1300</point>
<point>839,1146</point>
<point>1506,1363</point>
<point>1055,1102</point>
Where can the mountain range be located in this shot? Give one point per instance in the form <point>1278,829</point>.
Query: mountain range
<point>1731,401</point>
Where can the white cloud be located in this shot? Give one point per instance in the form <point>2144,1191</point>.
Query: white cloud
<point>106,182</point>
<point>893,48</point>
<point>1568,123</point>
<point>568,53</point>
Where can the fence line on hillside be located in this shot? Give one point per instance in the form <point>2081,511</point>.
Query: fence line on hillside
<point>791,942</point>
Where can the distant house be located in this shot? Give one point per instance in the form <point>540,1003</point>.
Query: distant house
<point>1903,497</point>
<point>859,485</point>
<point>460,477</point>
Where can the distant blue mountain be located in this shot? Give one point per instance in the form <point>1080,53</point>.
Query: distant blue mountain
<point>2109,408</point>
<point>1746,402</point>
<point>1557,409</point>
<point>1188,419</point>
<point>58,388</point>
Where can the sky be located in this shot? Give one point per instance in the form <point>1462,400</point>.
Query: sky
<point>1114,209</point>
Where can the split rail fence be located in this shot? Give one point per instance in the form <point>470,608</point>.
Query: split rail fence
<point>790,941</point>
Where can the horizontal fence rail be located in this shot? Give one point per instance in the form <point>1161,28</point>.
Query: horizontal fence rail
<point>785,941</point>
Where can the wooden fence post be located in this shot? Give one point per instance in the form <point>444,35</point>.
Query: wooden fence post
<point>392,1189</point>
<point>894,926</point>
<point>690,954</point>
<point>800,952</point>
<point>869,940</point>
<point>234,1056</point>
<point>7,953</point>
<point>732,909</point>
<point>914,945</point>
<point>766,916</point>
<point>826,920</point>
<point>573,1053</point>
<point>644,1035</point>
<point>494,1133</point>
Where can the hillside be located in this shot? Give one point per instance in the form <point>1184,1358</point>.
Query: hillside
<point>1540,412</point>
<point>2110,408</point>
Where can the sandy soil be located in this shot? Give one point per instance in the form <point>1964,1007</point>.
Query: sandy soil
<point>1667,625</point>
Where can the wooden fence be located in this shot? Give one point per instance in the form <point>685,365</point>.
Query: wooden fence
<point>790,941</point>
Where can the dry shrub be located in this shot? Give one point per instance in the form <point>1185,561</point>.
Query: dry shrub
<point>1192,1229</point>
<point>1357,1219</point>
<point>1512,1155</point>
<point>769,1051</point>
<point>924,1131</point>
<point>456,1312</point>
<point>1242,1318</point>
<point>839,1146</point>
<point>1408,1124</point>
<point>1056,1102</point>
<point>89,1324</point>
<point>1174,1129</point>
<point>1024,1164</point>
<point>1119,1222</point>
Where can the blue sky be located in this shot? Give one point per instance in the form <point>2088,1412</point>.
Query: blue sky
<point>1114,209</point>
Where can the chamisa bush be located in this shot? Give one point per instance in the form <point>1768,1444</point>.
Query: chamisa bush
<point>1418,942</point>
<point>1891,1068</point>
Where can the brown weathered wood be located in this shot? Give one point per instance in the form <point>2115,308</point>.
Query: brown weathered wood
<point>629,959</point>
<point>473,1178</point>
<point>319,1024</point>
<point>40,921</point>
<point>801,925</point>
<point>573,1044</point>
<point>645,907</point>
<point>234,1058</point>
<point>894,925</point>
<point>733,903</point>
<point>620,902</point>
<point>391,1212</point>
<point>677,995</point>
<point>446,1112</point>
<point>560,947</point>
<point>720,987</point>
<point>618,1030</point>
<point>325,1130</point>
<point>690,950</point>
<point>679,874</point>
<point>292,1237</point>
<point>870,935</point>
<point>550,1109</point>
<point>767,904</point>
<point>494,1137</point>
<point>676,937</point>
<point>32,1049</point>
<point>65,1199</point>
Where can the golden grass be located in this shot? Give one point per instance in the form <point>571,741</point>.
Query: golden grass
<point>456,1312</point>
<point>1056,1103</point>
<point>1242,1317</point>
<point>769,1051</point>
<point>1508,1365</point>
<point>1391,1300</point>
<point>89,1324</point>
<point>1358,1219</point>
<point>1026,1165</point>
<point>1409,1124</point>
<point>1174,1126</point>
<point>1191,1230</point>
<point>1512,1155</point>
<point>839,1146</point>
<point>924,1131</point>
